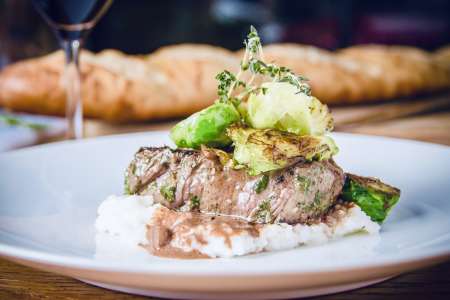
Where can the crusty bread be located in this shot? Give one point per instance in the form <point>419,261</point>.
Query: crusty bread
<point>174,81</point>
<point>442,58</point>
<point>363,73</point>
<point>332,79</point>
<point>179,80</point>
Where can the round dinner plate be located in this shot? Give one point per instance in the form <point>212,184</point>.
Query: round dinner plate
<point>49,197</point>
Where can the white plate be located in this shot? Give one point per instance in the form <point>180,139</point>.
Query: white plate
<point>49,195</point>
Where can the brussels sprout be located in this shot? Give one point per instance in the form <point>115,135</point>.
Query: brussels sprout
<point>206,127</point>
<point>262,150</point>
<point>279,105</point>
<point>373,196</point>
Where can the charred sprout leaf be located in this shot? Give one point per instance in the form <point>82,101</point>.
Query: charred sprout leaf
<point>261,184</point>
<point>374,197</point>
<point>168,192</point>
<point>266,150</point>
<point>281,107</point>
<point>321,119</point>
<point>206,127</point>
<point>225,158</point>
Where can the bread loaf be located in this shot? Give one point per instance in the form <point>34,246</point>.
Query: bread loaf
<point>179,80</point>
<point>174,81</point>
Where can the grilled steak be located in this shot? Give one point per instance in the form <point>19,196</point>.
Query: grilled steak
<point>190,180</point>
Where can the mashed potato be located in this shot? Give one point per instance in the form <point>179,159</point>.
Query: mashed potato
<point>127,217</point>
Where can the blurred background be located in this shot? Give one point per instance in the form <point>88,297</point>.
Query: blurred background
<point>141,26</point>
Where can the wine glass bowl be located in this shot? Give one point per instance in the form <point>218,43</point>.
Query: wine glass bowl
<point>72,20</point>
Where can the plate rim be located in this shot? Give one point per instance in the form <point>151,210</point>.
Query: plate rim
<point>160,132</point>
<point>41,257</point>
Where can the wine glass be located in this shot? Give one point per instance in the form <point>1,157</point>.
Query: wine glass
<point>72,20</point>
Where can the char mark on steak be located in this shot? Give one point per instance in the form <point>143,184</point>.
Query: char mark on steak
<point>190,180</point>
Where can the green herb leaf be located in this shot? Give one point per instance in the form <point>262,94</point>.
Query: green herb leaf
<point>194,203</point>
<point>280,74</point>
<point>227,81</point>
<point>253,42</point>
<point>263,213</point>
<point>303,182</point>
<point>317,197</point>
<point>261,184</point>
<point>168,193</point>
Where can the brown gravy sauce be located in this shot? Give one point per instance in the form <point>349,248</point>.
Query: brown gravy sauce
<point>167,225</point>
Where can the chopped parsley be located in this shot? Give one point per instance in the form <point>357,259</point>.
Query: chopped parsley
<point>263,214</point>
<point>315,205</point>
<point>168,193</point>
<point>261,184</point>
<point>317,197</point>
<point>194,203</point>
<point>304,183</point>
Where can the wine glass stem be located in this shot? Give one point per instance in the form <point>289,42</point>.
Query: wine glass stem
<point>74,105</point>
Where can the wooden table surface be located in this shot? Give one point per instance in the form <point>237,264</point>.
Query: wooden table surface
<point>19,282</point>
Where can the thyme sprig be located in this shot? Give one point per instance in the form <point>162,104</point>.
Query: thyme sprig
<point>253,61</point>
<point>226,81</point>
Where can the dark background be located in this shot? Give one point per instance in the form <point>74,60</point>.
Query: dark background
<point>141,26</point>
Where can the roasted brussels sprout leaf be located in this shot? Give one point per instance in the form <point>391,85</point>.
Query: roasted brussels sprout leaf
<point>280,106</point>
<point>374,197</point>
<point>262,150</point>
<point>206,127</point>
<point>225,158</point>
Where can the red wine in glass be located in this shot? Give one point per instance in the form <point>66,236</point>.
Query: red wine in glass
<point>72,20</point>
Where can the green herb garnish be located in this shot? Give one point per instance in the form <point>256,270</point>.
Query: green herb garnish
<point>261,184</point>
<point>168,193</point>
<point>253,61</point>
<point>194,204</point>
<point>303,182</point>
<point>226,80</point>
<point>317,197</point>
<point>253,42</point>
<point>263,213</point>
